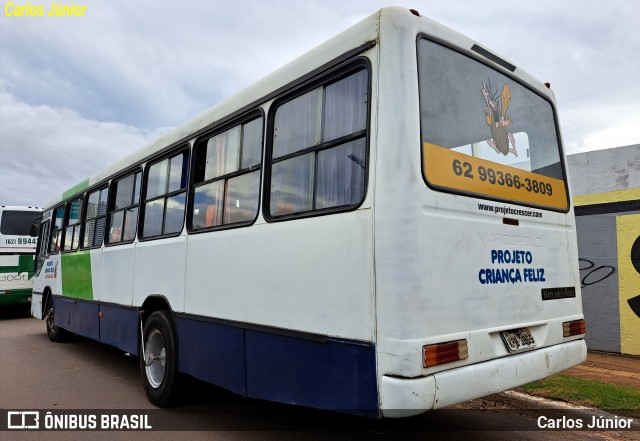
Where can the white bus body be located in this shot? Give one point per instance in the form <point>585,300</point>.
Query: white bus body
<point>384,258</point>
<point>16,254</point>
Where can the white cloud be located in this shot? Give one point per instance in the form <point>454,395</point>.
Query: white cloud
<point>160,62</point>
<point>79,93</point>
<point>45,150</point>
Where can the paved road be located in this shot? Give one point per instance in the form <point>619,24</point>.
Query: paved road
<point>82,374</point>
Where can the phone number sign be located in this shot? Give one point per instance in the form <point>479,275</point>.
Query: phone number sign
<point>445,168</point>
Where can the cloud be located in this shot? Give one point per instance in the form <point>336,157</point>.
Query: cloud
<point>45,150</point>
<point>158,62</point>
<point>79,93</point>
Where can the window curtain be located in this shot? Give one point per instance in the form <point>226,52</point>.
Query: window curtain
<point>222,154</point>
<point>346,106</point>
<point>341,172</point>
<point>297,124</point>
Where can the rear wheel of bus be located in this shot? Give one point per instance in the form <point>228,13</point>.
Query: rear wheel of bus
<point>158,361</point>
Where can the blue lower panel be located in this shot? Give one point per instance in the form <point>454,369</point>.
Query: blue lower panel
<point>212,352</point>
<point>120,327</point>
<point>77,316</point>
<point>335,375</point>
<point>327,374</point>
<point>63,310</point>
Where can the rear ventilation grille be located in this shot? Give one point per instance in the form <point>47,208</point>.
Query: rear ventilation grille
<point>485,53</point>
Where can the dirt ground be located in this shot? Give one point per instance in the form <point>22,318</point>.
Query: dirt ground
<point>617,369</point>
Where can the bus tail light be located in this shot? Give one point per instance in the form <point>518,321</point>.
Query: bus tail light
<point>441,353</point>
<point>576,327</point>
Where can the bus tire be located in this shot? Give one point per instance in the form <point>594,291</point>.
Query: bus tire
<point>55,333</point>
<point>158,360</point>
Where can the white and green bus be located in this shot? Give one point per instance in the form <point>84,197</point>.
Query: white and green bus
<point>17,249</point>
<point>382,227</point>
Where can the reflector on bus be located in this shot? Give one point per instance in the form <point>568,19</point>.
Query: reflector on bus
<point>576,327</point>
<point>441,353</point>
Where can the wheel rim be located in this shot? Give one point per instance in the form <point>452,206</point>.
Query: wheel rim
<point>155,357</point>
<point>50,325</point>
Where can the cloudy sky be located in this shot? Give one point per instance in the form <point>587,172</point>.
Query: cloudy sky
<point>76,94</point>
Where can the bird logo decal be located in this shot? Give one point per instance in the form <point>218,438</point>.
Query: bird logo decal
<point>502,140</point>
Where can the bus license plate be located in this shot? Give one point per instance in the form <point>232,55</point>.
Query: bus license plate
<point>518,340</point>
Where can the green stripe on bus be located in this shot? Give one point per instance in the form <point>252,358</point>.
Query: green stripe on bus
<point>76,189</point>
<point>25,265</point>
<point>8,269</point>
<point>76,275</point>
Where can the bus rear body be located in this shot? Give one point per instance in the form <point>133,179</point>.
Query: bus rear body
<point>475,241</point>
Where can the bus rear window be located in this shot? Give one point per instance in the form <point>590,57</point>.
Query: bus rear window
<point>485,134</point>
<point>17,223</point>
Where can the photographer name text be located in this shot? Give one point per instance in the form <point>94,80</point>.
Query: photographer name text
<point>595,422</point>
<point>57,9</point>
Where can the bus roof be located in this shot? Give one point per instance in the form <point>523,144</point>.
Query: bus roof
<point>18,208</point>
<point>356,39</point>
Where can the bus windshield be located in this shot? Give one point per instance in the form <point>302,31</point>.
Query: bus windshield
<point>485,134</point>
<point>17,223</point>
<point>17,248</point>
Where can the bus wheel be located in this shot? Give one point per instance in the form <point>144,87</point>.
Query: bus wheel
<point>54,332</point>
<point>158,363</point>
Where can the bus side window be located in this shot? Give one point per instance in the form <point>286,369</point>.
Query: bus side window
<point>95,218</point>
<point>123,214</point>
<point>72,225</point>
<point>166,196</point>
<point>319,148</point>
<point>56,230</point>
<point>227,176</point>
<point>43,245</point>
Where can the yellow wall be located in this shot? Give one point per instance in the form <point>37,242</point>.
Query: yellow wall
<point>603,198</point>
<point>628,231</point>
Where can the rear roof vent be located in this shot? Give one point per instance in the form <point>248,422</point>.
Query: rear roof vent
<point>496,59</point>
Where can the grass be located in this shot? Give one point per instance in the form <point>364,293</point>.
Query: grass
<point>587,393</point>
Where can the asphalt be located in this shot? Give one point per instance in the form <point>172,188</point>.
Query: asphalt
<point>623,370</point>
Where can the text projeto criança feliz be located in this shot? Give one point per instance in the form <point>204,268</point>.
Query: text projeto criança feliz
<point>511,274</point>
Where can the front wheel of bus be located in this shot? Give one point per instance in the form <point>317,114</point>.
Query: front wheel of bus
<point>158,361</point>
<point>55,333</point>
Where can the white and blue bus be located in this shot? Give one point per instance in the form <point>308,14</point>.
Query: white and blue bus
<point>17,249</point>
<point>382,227</point>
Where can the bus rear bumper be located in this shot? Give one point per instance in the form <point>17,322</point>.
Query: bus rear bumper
<point>15,297</point>
<point>402,397</point>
